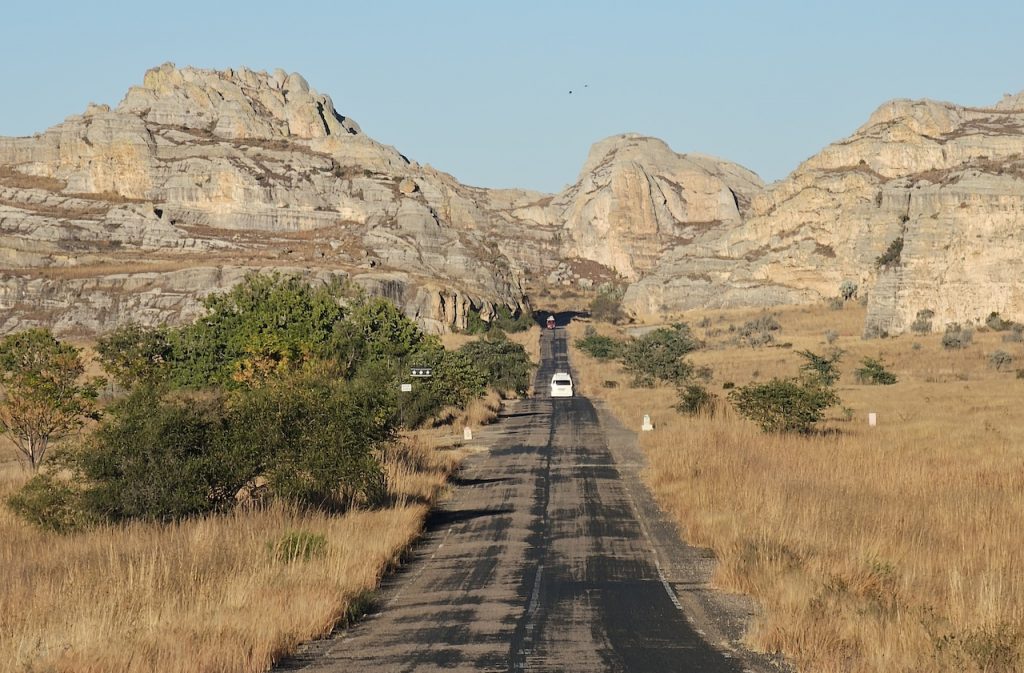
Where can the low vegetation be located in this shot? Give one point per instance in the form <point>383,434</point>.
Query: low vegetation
<point>253,476</point>
<point>868,549</point>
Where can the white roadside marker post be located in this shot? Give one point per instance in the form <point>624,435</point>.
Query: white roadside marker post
<point>872,419</point>
<point>467,434</point>
<point>647,426</point>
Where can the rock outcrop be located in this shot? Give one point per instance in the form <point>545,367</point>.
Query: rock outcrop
<point>946,181</point>
<point>199,176</point>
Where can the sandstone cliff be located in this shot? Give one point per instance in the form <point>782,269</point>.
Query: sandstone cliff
<point>199,176</point>
<point>946,180</point>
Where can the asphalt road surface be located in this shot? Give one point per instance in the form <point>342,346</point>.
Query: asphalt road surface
<point>542,561</point>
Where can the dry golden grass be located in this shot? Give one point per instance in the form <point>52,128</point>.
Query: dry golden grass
<point>884,549</point>
<point>202,595</point>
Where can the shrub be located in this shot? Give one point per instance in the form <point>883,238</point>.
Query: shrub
<point>784,405</point>
<point>995,323</point>
<point>831,336</point>
<point>999,360</point>
<point>957,337</point>
<point>610,383</point>
<point>892,254</point>
<point>695,399</point>
<point>504,318</point>
<point>758,332</point>
<point>598,346</point>
<point>848,290</point>
<point>298,545</point>
<point>1016,334</point>
<point>836,303</point>
<point>873,372</point>
<point>49,503</point>
<point>162,459</point>
<point>607,305</point>
<point>660,355</point>
<point>923,322</point>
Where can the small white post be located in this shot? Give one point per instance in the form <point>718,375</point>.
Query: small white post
<point>467,434</point>
<point>647,426</point>
<point>872,419</point>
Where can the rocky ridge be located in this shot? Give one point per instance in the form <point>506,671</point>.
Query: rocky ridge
<point>198,177</point>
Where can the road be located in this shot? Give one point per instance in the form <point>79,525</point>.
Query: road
<point>541,561</point>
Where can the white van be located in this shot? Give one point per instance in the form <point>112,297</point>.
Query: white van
<point>561,385</point>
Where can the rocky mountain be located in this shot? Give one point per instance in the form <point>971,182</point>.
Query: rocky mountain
<point>941,183</point>
<point>198,177</point>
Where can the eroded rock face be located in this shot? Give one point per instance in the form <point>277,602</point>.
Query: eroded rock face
<point>200,176</point>
<point>947,180</point>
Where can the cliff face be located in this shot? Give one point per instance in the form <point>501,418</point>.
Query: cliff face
<point>946,180</point>
<point>199,176</point>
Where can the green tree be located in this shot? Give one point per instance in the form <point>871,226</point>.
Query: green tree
<point>504,363</point>
<point>607,305</point>
<point>44,397</point>
<point>265,323</point>
<point>133,355</point>
<point>822,367</point>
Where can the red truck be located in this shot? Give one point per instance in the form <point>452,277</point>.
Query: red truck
<point>551,322</point>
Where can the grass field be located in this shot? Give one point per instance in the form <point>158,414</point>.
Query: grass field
<point>886,549</point>
<point>221,594</point>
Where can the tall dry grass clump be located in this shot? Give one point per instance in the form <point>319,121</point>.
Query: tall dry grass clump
<point>884,549</point>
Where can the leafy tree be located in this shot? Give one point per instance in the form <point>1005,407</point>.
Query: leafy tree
<point>873,372</point>
<point>892,255</point>
<point>43,400</point>
<point>163,457</point>
<point>267,322</point>
<point>133,355</point>
<point>823,367</point>
<point>504,363</point>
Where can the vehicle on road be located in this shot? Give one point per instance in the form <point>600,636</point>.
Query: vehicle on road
<point>551,322</point>
<point>561,385</point>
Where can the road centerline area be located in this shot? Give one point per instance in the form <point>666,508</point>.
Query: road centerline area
<point>540,563</point>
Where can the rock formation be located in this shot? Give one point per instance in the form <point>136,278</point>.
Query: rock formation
<point>945,180</point>
<point>198,177</point>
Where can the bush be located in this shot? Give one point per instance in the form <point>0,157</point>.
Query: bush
<point>784,405</point>
<point>1016,334</point>
<point>848,290</point>
<point>607,305</point>
<point>923,322</point>
<point>504,319</point>
<point>873,372</point>
<point>298,545</point>
<point>831,336</point>
<point>504,363</point>
<point>892,254</point>
<point>999,360</point>
<point>957,337</point>
<point>836,303</point>
<point>660,355</point>
<point>695,399</point>
<point>49,504</point>
<point>758,332</point>
<point>598,346</point>
<point>162,459</point>
<point>995,323</point>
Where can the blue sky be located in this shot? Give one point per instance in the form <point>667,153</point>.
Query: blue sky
<point>481,89</point>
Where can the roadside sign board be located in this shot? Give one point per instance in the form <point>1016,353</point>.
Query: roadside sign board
<point>421,372</point>
<point>406,387</point>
